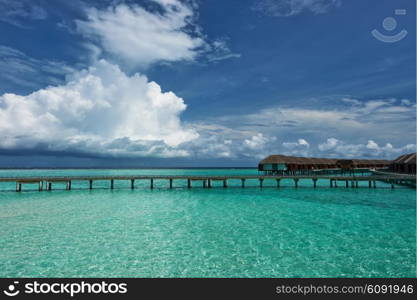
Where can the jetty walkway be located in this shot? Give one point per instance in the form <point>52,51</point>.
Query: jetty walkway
<point>46,183</point>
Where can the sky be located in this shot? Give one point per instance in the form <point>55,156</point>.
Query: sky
<point>169,83</point>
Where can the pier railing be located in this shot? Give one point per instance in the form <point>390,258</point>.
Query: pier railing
<point>46,182</point>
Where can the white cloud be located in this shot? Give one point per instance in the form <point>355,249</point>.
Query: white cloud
<point>100,109</point>
<point>303,142</point>
<point>212,147</point>
<point>299,148</point>
<point>219,50</point>
<point>286,8</point>
<point>331,143</point>
<point>141,37</point>
<point>103,111</point>
<point>224,57</point>
<point>18,68</point>
<point>256,141</point>
<point>382,121</point>
<point>337,148</point>
<point>14,12</point>
<point>372,145</point>
<point>406,102</point>
<point>389,148</point>
<point>218,142</point>
<point>293,145</point>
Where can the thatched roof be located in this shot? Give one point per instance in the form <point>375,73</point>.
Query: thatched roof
<point>371,162</point>
<point>406,159</point>
<point>283,159</point>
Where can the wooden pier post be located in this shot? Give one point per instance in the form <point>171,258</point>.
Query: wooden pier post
<point>132,184</point>
<point>296,182</point>
<point>204,183</point>
<point>243,182</point>
<point>170,183</point>
<point>91,184</point>
<point>112,184</point>
<point>151,183</point>
<point>347,183</point>
<point>335,183</point>
<point>209,183</point>
<point>49,187</point>
<point>261,182</point>
<point>40,186</point>
<point>18,187</point>
<point>278,183</point>
<point>314,182</point>
<point>356,183</point>
<point>331,183</point>
<point>189,183</point>
<point>225,183</point>
<point>370,184</point>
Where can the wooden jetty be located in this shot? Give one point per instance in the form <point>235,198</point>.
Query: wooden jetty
<point>207,181</point>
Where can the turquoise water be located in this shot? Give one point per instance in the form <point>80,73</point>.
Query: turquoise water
<point>217,232</point>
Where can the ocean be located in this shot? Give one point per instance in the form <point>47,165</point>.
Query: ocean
<point>218,232</point>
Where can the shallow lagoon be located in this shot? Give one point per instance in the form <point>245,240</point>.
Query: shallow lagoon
<point>217,232</point>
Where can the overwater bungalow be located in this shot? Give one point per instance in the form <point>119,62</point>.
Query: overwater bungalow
<point>282,164</point>
<point>349,164</point>
<point>404,164</point>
